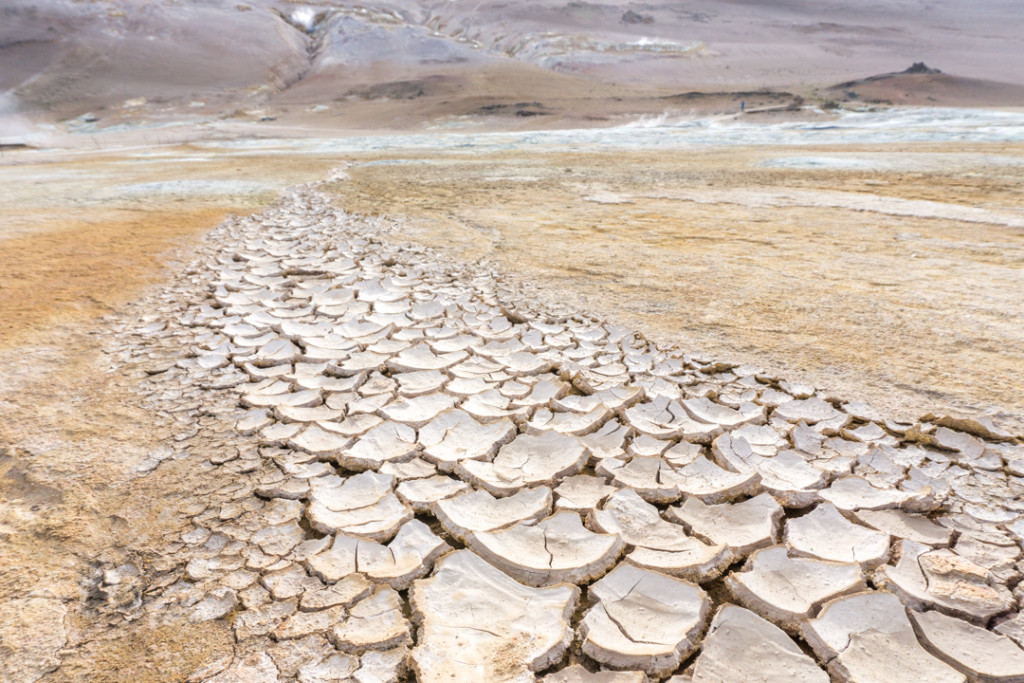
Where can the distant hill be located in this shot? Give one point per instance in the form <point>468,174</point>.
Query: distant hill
<point>257,58</point>
<point>922,85</point>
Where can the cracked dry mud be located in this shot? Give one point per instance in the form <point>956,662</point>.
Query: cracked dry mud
<point>417,473</point>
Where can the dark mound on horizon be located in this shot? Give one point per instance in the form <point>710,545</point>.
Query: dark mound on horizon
<point>923,85</point>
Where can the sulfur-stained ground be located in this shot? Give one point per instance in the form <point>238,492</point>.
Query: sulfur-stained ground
<point>80,237</point>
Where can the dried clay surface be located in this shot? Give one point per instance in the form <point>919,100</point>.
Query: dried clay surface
<point>394,467</point>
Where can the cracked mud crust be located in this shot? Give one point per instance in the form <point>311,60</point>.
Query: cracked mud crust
<point>333,455</point>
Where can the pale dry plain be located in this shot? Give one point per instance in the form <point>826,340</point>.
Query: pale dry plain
<point>862,278</point>
<point>889,273</point>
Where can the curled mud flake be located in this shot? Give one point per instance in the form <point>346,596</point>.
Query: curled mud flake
<point>363,506</point>
<point>643,620</point>
<point>343,592</point>
<point>665,419</point>
<point>867,636</point>
<point>412,384</point>
<point>582,493</point>
<point>974,651</point>
<point>417,411</point>
<point>741,527</point>
<point>652,478</point>
<point>501,629</point>
<point>480,511</point>
<point>856,493</point>
<point>491,405</point>
<point>939,579</point>
<point>825,534</point>
<point>387,442</point>
<point>811,411</point>
<point>421,494</point>
<point>791,480</point>
<point>606,442</point>
<point>906,525</point>
<point>712,484</point>
<point>454,435</point>
<point>741,646</point>
<point>528,460</point>
<point>558,549</point>
<point>575,424</point>
<point>705,410</point>
<point>422,357</point>
<point>788,590</point>
<point>657,545</point>
<point>408,556</point>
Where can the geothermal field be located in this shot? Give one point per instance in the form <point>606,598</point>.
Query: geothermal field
<point>545,341</point>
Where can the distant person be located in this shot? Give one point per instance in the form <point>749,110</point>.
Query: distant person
<point>743,106</point>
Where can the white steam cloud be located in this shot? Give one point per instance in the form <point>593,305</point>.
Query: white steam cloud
<point>14,128</point>
<point>304,17</point>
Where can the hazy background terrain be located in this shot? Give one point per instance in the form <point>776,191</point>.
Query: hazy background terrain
<point>536,63</point>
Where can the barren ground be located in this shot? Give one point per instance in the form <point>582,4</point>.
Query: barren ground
<point>829,272</point>
<point>889,271</point>
<point>81,237</point>
<point>842,277</point>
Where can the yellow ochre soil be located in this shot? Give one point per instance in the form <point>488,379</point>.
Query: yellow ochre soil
<point>74,247</point>
<point>71,432</point>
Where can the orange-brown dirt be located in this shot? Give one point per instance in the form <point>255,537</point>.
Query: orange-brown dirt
<point>71,437</point>
<point>71,431</point>
<point>87,266</point>
<point>72,248</point>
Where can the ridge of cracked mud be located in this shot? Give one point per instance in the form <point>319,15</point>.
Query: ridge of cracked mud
<point>435,477</point>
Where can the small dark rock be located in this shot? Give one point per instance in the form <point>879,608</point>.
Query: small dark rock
<point>631,17</point>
